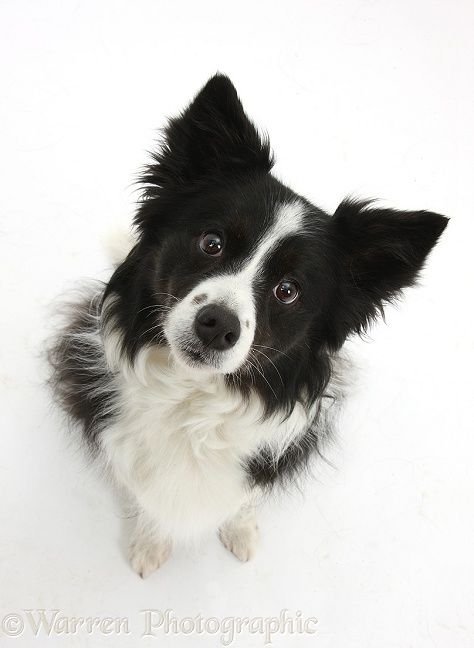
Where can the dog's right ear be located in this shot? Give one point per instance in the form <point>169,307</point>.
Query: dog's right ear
<point>212,137</point>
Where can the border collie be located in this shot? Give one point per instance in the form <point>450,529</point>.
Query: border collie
<point>207,370</point>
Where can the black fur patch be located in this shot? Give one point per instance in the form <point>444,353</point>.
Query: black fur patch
<point>265,470</point>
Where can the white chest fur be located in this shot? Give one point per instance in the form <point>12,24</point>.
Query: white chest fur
<point>179,444</point>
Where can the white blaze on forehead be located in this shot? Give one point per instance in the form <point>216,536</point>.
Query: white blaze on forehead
<point>289,219</point>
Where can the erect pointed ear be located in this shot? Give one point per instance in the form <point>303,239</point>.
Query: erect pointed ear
<point>379,252</point>
<point>212,136</point>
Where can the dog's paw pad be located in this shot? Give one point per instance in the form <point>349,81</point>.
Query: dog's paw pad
<point>147,557</point>
<point>241,541</point>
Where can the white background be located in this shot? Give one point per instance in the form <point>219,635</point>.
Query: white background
<point>364,97</point>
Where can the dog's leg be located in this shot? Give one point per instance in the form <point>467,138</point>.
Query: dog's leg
<point>239,534</point>
<point>149,548</point>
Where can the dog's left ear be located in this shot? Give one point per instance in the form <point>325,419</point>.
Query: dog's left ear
<point>378,252</point>
<point>213,137</point>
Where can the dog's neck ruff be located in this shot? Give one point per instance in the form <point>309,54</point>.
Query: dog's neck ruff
<point>181,442</point>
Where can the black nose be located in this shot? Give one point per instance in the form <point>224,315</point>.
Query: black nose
<point>217,327</point>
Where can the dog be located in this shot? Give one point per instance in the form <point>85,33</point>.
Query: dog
<point>207,371</point>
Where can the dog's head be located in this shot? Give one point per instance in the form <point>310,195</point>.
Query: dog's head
<point>239,275</point>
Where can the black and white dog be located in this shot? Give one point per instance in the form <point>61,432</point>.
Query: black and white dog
<point>207,370</point>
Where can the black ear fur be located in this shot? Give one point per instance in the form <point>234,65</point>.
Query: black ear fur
<point>379,252</point>
<point>213,136</point>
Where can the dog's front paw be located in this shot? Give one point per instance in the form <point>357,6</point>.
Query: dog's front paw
<point>240,539</point>
<point>146,556</point>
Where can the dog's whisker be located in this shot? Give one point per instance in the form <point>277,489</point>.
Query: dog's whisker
<point>167,294</point>
<point>152,328</point>
<point>263,376</point>
<point>157,307</point>
<point>261,346</point>
<point>272,363</point>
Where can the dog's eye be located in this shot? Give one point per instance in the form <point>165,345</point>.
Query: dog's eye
<point>286,291</point>
<point>211,243</point>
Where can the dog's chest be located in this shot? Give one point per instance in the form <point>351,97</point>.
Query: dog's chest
<point>180,447</point>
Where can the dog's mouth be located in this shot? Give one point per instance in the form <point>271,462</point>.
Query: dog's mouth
<point>191,356</point>
<point>195,356</point>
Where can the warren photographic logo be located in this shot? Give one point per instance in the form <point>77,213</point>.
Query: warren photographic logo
<point>153,624</point>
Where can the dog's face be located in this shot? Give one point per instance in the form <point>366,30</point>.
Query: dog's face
<point>242,276</point>
<point>235,272</point>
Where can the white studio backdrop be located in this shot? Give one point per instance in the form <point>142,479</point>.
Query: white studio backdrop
<point>368,98</point>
